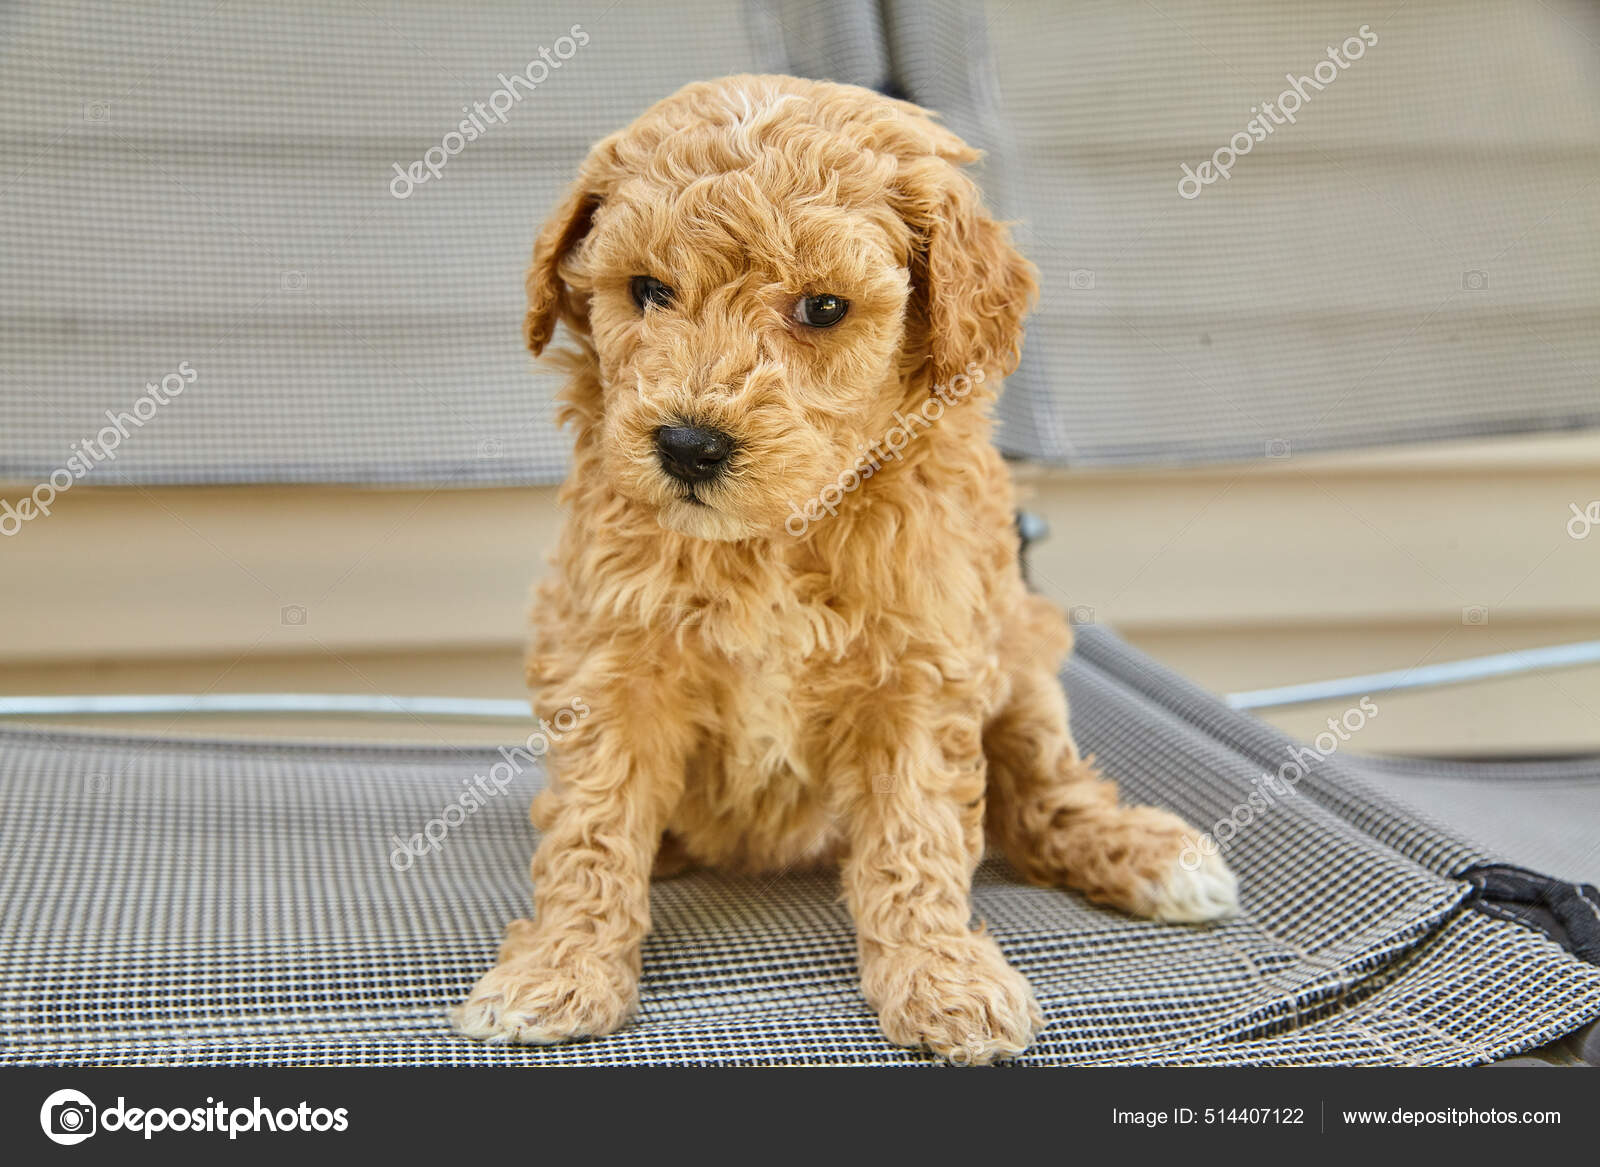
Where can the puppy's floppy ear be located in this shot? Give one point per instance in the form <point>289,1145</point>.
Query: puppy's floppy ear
<point>972,286</point>
<point>549,298</point>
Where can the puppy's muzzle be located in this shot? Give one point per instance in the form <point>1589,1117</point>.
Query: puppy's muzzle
<point>692,454</point>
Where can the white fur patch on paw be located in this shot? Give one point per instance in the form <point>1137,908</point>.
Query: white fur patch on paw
<point>526,1001</point>
<point>1209,891</point>
<point>493,1022</point>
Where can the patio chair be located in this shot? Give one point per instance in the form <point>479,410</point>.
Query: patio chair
<point>205,902</point>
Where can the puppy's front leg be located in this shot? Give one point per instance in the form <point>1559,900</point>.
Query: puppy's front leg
<point>574,969</point>
<point>914,805</point>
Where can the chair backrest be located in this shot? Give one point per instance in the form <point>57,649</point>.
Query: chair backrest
<point>1415,256</point>
<point>208,194</point>
<point>273,208</point>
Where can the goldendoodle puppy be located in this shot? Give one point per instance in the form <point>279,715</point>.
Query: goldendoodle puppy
<point>788,590</point>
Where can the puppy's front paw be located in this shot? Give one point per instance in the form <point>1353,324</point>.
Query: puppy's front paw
<point>526,1000</point>
<point>1195,889</point>
<point>956,996</point>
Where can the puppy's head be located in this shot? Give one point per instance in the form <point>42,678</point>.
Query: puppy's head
<point>767,270</point>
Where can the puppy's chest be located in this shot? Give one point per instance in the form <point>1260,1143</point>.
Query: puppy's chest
<point>769,684</point>
<point>768,712</point>
<point>754,796</point>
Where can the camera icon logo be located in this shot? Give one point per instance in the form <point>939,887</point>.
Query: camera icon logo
<point>491,448</point>
<point>292,281</point>
<point>68,1117</point>
<point>1475,616</point>
<point>1474,281</point>
<point>1080,279</point>
<point>97,111</point>
<point>293,616</point>
<point>1278,448</point>
<point>1079,615</point>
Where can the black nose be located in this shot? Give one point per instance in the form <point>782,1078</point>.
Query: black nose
<point>692,454</point>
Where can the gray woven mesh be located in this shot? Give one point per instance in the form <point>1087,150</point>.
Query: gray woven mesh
<point>1543,815</point>
<point>214,903</point>
<point>211,184</point>
<point>201,183</point>
<point>1417,256</point>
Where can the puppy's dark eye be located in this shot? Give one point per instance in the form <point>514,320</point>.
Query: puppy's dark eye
<point>649,292</point>
<point>822,311</point>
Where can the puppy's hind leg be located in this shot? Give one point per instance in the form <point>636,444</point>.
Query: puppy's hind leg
<point>1059,824</point>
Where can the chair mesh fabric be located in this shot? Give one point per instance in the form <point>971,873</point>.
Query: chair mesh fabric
<point>1415,257</point>
<point>225,903</point>
<point>1540,814</point>
<point>213,185</point>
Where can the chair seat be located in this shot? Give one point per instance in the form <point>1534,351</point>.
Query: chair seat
<point>226,903</point>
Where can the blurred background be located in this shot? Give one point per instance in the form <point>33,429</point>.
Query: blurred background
<point>1296,404</point>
